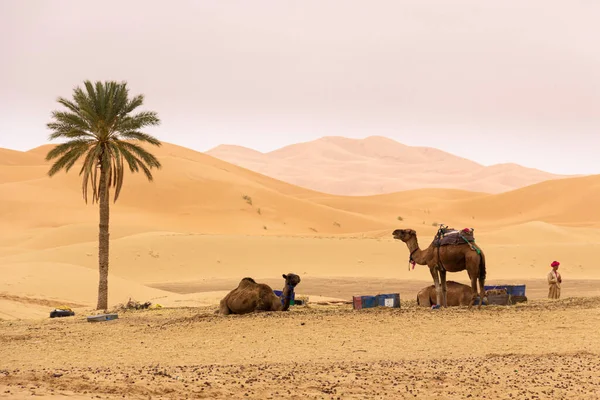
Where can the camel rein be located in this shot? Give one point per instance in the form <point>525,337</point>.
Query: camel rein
<point>410,259</point>
<point>289,295</point>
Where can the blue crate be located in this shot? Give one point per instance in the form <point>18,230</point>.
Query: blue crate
<point>513,290</point>
<point>388,300</point>
<point>360,302</point>
<point>517,290</point>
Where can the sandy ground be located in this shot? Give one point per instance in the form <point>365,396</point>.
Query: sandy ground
<point>544,349</point>
<point>345,288</point>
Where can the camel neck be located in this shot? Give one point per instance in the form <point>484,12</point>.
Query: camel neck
<point>416,252</point>
<point>286,296</point>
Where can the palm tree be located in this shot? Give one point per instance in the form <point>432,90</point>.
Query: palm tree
<point>100,126</point>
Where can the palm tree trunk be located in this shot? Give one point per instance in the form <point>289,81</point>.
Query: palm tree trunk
<point>103,241</point>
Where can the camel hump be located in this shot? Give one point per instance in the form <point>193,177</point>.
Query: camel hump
<point>247,282</point>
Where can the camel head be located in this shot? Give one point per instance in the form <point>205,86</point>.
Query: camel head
<point>291,279</point>
<point>404,234</point>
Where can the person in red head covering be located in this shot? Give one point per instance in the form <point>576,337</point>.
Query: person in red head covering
<point>554,281</point>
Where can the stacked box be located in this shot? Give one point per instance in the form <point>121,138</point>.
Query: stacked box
<point>498,299</point>
<point>381,300</point>
<point>513,290</point>
<point>389,300</point>
<point>360,302</point>
<point>516,293</point>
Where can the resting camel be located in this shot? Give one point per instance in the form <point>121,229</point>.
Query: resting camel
<point>250,296</point>
<point>458,295</point>
<point>454,258</point>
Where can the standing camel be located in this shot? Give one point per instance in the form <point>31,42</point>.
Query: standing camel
<point>441,258</point>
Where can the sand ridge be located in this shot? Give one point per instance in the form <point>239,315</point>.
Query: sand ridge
<point>376,165</point>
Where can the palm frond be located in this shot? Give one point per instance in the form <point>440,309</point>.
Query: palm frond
<point>101,97</point>
<point>147,172</point>
<point>91,95</point>
<point>89,166</point>
<point>87,109</point>
<point>136,164</point>
<point>132,161</point>
<point>117,103</point>
<point>69,134</point>
<point>70,119</point>
<point>138,121</point>
<point>118,171</point>
<point>69,158</point>
<point>69,104</point>
<point>65,147</point>
<point>94,180</point>
<point>133,104</point>
<point>141,137</point>
<point>140,153</point>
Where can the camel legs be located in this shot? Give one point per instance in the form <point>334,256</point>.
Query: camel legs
<point>474,290</point>
<point>444,288</point>
<point>223,309</point>
<point>481,292</point>
<point>436,282</point>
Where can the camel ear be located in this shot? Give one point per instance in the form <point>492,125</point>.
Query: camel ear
<point>412,231</point>
<point>284,276</point>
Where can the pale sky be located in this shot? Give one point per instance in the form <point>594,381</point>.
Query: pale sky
<point>492,81</point>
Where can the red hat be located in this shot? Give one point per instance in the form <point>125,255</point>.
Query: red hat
<point>555,264</point>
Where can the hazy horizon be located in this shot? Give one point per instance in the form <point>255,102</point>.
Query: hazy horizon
<point>501,82</point>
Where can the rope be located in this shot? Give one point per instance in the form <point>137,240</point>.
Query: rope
<point>471,245</point>
<point>439,236</point>
<point>410,259</point>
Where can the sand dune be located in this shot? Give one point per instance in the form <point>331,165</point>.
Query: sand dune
<point>203,219</point>
<point>375,165</point>
<point>564,202</point>
<point>18,158</point>
<point>59,283</point>
<point>192,192</point>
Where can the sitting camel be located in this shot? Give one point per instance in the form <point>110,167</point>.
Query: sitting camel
<point>447,258</point>
<point>458,295</point>
<point>250,296</point>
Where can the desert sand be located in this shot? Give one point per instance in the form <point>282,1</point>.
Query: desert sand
<point>540,350</point>
<point>189,237</point>
<point>377,165</point>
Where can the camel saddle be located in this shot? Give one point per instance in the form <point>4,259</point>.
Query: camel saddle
<point>451,237</point>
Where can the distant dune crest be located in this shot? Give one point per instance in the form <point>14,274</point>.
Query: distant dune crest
<point>377,165</point>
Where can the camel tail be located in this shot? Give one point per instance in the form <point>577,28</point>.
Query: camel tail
<point>418,301</point>
<point>482,270</point>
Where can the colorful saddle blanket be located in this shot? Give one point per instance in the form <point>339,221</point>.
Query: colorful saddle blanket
<point>452,237</point>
